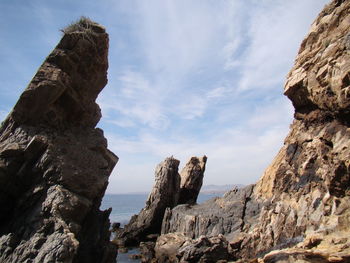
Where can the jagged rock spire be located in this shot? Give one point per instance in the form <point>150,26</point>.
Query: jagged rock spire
<point>54,163</point>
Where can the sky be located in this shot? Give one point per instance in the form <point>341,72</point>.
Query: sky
<point>186,78</point>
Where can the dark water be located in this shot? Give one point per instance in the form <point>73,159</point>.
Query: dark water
<point>126,205</point>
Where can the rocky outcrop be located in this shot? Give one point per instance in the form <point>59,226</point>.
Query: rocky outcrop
<point>227,215</point>
<point>192,180</point>
<point>309,179</point>
<point>221,218</point>
<point>300,209</point>
<point>168,189</point>
<point>164,194</point>
<point>54,163</point>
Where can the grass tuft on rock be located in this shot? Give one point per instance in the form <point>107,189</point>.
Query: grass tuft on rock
<point>83,25</point>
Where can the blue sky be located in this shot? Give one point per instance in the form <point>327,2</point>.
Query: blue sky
<point>186,78</point>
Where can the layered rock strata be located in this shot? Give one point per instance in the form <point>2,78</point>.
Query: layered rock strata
<point>191,180</point>
<point>54,163</point>
<point>302,203</point>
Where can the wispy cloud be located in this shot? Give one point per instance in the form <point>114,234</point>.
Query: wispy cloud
<point>235,154</point>
<point>209,81</point>
<point>274,34</point>
<point>185,78</point>
<point>137,100</point>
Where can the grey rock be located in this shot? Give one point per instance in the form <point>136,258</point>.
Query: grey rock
<point>175,247</point>
<point>164,194</point>
<point>54,163</point>
<point>191,180</point>
<point>227,215</point>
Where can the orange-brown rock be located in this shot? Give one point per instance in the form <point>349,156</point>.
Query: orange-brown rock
<point>301,205</point>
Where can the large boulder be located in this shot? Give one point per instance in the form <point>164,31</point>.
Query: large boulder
<point>54,163</point>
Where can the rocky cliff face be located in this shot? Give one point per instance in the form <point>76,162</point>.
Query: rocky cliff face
<point>54,163</point>
<point>300,209</point>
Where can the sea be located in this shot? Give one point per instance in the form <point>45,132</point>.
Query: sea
<point>124,206</point>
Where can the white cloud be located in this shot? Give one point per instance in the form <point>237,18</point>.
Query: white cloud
<point>276,29</point>
<point>218,68</point>
<point>235,155</point>
<point>186,78</point>
<point>176,35</point>
<point>137,100</point>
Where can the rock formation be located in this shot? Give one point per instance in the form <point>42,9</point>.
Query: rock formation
<point>54,163</point>
<point>168,190</point>
<point>192,180</point>
<point>226,215</point>
<point>300,209</point>
<point>164,194</point>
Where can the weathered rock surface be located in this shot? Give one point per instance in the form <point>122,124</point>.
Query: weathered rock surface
<point>54,163</point>
<point>147,251</point>
<point>300,208</point>
<point>164,194</point>
<point>227,215</point>
<point>175,247</point>
<point>192,180</point>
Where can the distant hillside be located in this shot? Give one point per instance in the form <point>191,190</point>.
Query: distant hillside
<point>212,188</point>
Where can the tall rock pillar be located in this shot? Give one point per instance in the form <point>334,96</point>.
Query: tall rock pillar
<point>54,163</point>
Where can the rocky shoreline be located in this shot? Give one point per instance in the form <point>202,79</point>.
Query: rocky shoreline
<point>299,210</point>
<point>55,165</point>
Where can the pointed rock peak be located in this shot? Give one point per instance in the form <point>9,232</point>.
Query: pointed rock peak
<point>164,194</point>
<point>54,163</point>
<point>62,93</point>
<point>192,179</point>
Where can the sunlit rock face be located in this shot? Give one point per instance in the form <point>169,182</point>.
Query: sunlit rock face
<point>54,163</point>
<point>308,182</point>
<point>302,202</point>
<point>191,180</point>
